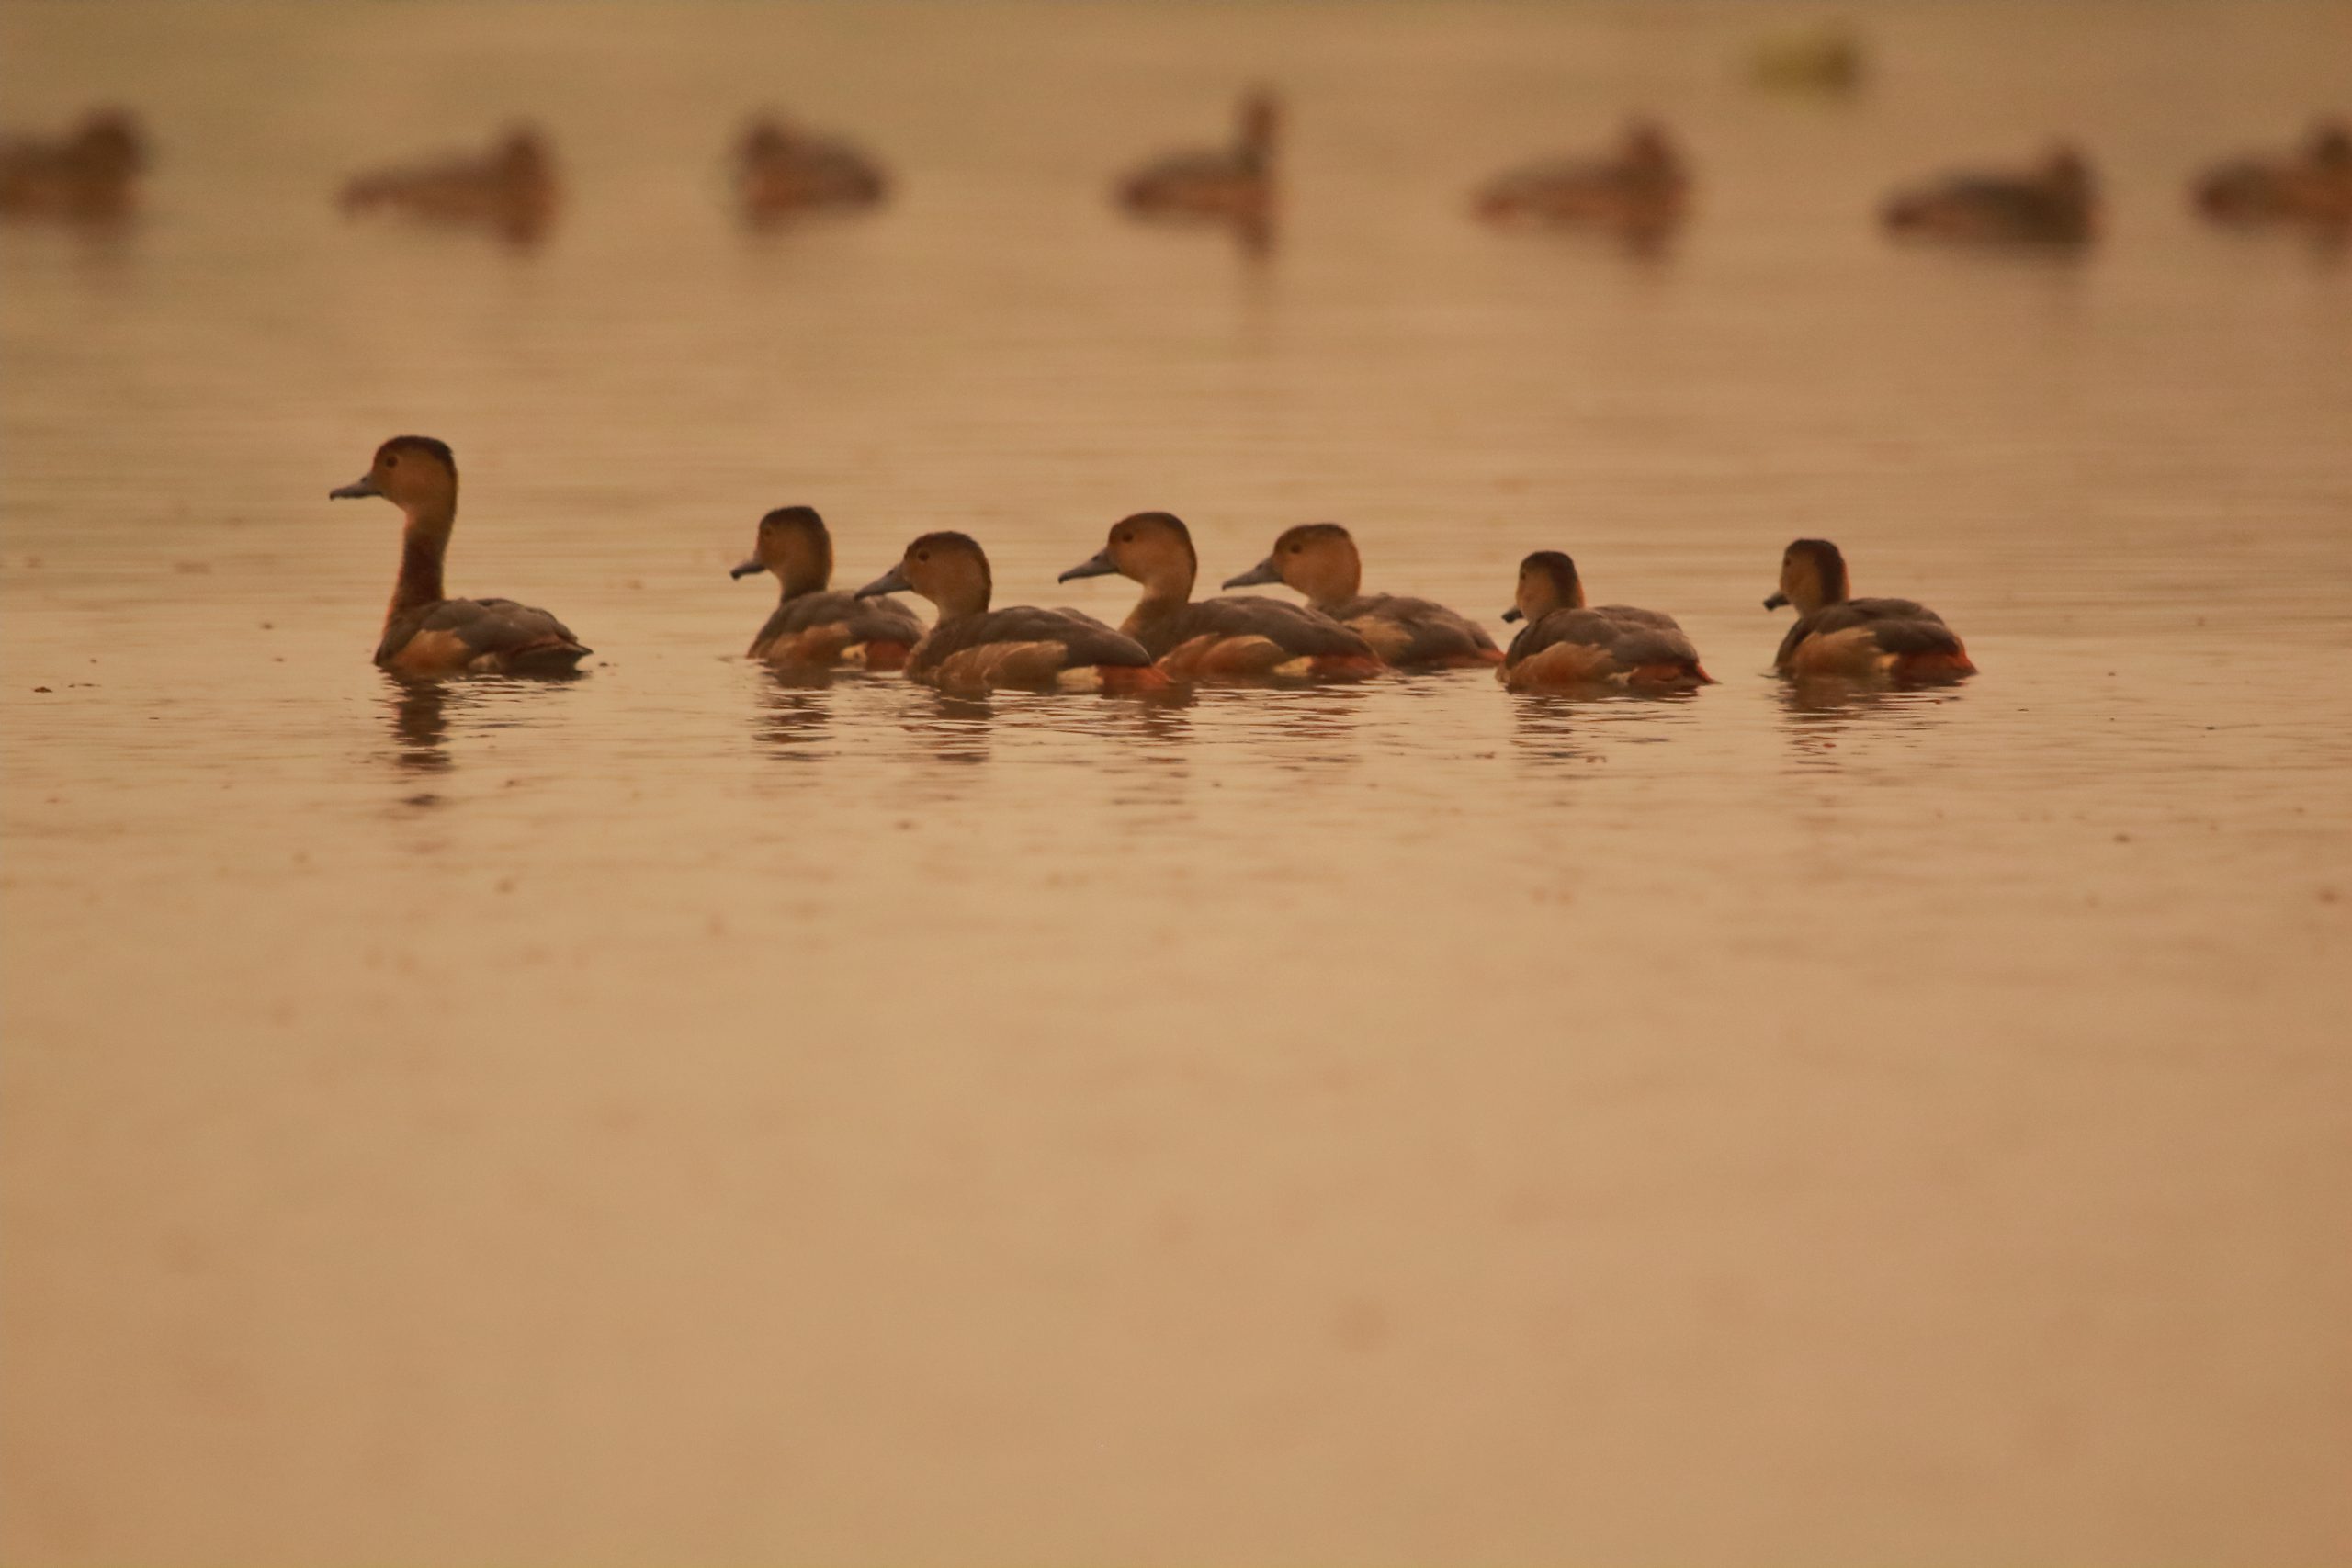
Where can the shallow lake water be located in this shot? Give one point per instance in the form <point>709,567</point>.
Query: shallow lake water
<point>682,1115</point>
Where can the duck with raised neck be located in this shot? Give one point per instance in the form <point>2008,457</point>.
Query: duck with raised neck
<point>426,633</point>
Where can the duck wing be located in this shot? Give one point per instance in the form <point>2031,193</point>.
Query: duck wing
<point>1630,637</point>
<point>1294,629</point>
<point>1085,639</point>
<point>867,620</point>
<point>521,639</point>
<point>1413,631</point>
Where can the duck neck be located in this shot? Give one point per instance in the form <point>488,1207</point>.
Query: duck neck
<point>423,542</point>
<point>1162,597</point>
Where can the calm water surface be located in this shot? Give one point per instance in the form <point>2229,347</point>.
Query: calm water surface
<point>680,1115</point>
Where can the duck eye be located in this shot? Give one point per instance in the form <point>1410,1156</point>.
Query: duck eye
<point>922,555</point>
<point>391,459</point>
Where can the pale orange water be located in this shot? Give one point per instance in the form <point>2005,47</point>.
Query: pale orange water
<point>679,1117</point>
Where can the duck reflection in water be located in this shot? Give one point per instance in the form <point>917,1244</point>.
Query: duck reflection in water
<point>1819,712</point>
<point>419,711</point>
<point>795,716</point>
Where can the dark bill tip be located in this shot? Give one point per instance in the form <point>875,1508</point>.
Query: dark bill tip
<point>1512,613</point>
<point>891,582</point>
<point>1262,572</point>
<point>1096,565</point>
<point>363,486</point>
<point>749,569</point>
<point>1776,601</point>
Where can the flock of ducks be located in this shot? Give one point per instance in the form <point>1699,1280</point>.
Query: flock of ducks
<point>1639,187</point>
<point>1169,637</point>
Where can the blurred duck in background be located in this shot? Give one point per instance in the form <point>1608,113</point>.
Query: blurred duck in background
<point>1567,647</point>
<point>1320,561</point>
<point>511,189</point>
<point>971,647</point>
<point>1827,60</point>
<point>781,170</point>
<point>1639,188</point>
<point>1234,184</point>
<point>1838,635</point>
<point>2053,203</point>
<point>427,634</point>
<point>90,174</point>
<point>1238,639</point>
<point>2312,183</point>
<point>812,627</point>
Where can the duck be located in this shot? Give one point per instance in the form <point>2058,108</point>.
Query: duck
<point>1320,561</point>
<point>1234,182</point>
<point>1825,60</point>
<point>91,172</point>
<point>2053,203</point>
<point>427,634</point>
<point>812,627</point>
<point>1639,187</point>
<point>1836,634</point>
<point>512,188</point>
<point>1566,645</point>
<point>1243,637</point>
<point>2312,183</point>
<point>781,169</point>
<point>973,648</point>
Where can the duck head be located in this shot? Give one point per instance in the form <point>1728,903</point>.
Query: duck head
<point>948,568</point>
<point>1153,547</point>
<point>1261,121</point>
<point>1319,559</point>
<point>1811,574</point>
<point>793,544</point>
<point>1547,582</point>
<point>416,473</point>
<point>2067,172</point>
<point>110,144</point>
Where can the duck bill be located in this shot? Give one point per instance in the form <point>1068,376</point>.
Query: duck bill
<point>1776,601</point>
<point>749,569</point>
<point>1512,615</point>
<point>1262,572</point>
<point>1096,565</point>
<point>891,582</point>
<point>363,486</point>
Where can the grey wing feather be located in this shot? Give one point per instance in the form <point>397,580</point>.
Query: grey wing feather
<point>1435,631</point>
<point>1291,628</point>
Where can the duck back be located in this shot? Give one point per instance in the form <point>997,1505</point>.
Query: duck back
<point>487,637</point>
<point>818,627</point>
<point>1606,644</point>
<point>1874,637</point>
<point>1404,630</point>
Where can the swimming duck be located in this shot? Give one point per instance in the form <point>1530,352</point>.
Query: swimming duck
<point>425,633</point>
<point>1232,183</point>
<point>812,627</point>
<point>1639,187</point>
<point>1566,645</point>
<point>1825,60</point>
<point>1838,635</point>
<point>971,647</point>
<point>1240,637</point>
<point>513,189</point>
<point>2313,183</point>
<point>1319,559</point>
<point>2053,203</point>
<point>89,173</point>
<point>781,170</point>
